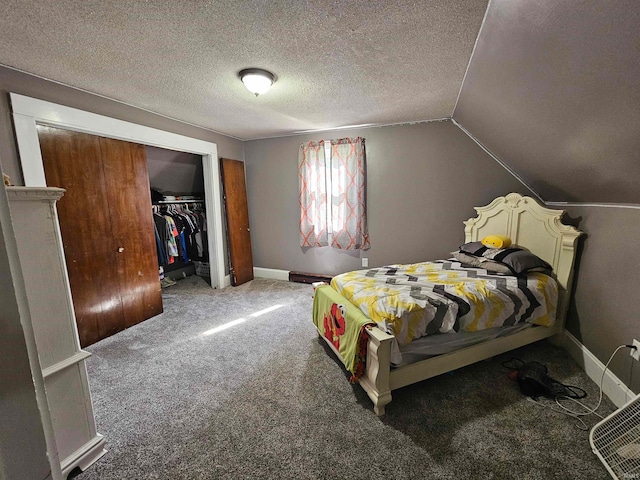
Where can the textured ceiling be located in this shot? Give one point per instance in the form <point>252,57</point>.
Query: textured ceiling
<point>338,63</point>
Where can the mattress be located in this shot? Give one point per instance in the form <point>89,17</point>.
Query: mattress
<point>433,345</point>
<point>443,297</point>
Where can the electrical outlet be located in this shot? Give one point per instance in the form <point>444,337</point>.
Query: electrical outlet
<point>635,353</point>
<point>365,262</point>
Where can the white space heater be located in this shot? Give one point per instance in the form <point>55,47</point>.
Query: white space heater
<point>616,441</point>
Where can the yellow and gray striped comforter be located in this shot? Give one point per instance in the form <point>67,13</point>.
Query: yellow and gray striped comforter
<point>410,301</point>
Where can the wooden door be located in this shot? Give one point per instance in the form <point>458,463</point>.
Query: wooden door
<point>237,214</point>
<point>107,229</point>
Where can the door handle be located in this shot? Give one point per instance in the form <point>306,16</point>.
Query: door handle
<point>120,249</point>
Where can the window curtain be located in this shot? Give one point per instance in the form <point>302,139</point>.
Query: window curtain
<point>313,195</point>
<point>336,217</point>
<point>348,194</point>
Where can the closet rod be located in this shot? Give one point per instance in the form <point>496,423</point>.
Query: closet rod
<point>178,201</point>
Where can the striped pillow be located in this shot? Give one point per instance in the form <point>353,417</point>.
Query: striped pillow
<point>473,248</point>
<point>518,259</point>
<point>481,262</point>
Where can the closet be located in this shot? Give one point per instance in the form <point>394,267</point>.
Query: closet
<point>107,229</point>
<point>177,194</point>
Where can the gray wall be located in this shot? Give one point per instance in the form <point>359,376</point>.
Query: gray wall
<point>552,89</point>
<point>422,182</point>
<point>604,313</point>
<point>174,172</point>
<point>17,82</point>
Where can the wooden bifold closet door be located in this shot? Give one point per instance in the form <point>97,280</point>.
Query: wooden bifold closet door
<point>107,229</point>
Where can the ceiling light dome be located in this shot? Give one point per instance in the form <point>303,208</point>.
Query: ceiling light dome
<point>256,80</point>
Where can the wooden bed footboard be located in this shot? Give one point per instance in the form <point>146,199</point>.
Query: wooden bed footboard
<point>379,379</point>
<point>375,379</point>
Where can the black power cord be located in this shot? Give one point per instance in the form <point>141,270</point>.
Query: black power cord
<point>572,397</point>
<point>588,411</point>
<point>534,381</point>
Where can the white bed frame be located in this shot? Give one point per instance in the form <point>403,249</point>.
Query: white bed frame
<point>527,224</point>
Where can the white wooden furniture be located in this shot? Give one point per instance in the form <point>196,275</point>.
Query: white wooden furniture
<point>39,242</point>
<point>527,224</point>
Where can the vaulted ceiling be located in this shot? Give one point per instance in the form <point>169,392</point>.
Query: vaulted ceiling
<point>551,88</point>
<point>553,91</point>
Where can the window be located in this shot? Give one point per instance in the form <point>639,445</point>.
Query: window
<point>332,196</point>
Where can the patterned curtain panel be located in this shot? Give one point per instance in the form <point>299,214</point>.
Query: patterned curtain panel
<point>313,195</point>
<point>348,196</point>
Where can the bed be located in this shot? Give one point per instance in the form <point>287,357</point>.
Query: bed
<point>520,218</point>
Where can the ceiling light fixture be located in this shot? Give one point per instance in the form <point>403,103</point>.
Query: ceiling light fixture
<point>256,80</point>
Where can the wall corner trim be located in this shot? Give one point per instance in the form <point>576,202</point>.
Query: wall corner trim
<point>271,273</point>
<point>612,386</point>
<point>473,51</point>
<point>596,205</point>
<point>499,161</point>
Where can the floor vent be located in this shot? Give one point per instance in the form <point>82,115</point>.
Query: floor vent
<point>302,277</point>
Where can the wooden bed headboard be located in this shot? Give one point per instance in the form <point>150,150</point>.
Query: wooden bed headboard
<point>535,227</point>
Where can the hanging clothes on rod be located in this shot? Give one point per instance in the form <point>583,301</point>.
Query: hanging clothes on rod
<point>161,228</point>
<point>180,230</point>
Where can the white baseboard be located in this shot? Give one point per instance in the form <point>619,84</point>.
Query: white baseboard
<point>612,386</point>
<point>227,281</point>
<point>271,273</point>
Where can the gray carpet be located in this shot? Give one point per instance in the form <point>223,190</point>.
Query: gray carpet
<point>265,398</point>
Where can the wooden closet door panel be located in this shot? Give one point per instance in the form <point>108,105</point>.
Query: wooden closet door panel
<point>237,213</point>
<point>126,176</point>
<point>73,161</point>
